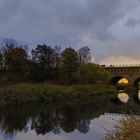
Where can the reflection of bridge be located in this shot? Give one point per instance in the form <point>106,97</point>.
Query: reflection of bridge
<point>130,72</point>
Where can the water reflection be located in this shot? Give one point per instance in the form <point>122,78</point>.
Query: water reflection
<point>64,122</point>
<point>66,119</point>
<point>123,97</point>
<point>139,95</point>
<point>98,129</point>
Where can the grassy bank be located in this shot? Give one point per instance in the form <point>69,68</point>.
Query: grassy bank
<point>128,130</point>
<point>47,93</point>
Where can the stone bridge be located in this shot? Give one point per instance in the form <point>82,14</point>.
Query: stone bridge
<point>130,72</point>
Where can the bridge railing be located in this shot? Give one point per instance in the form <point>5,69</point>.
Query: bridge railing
<point>121,65</point>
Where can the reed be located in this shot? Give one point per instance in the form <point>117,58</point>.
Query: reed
<point>129,129</point>
<point>48,93</point>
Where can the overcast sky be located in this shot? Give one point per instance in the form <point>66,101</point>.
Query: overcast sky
<point>111,28</point>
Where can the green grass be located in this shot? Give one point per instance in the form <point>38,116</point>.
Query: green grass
<point>28,93</point>
<point>128,130</point>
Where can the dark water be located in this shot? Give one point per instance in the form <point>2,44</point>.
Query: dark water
<point>84,121</point>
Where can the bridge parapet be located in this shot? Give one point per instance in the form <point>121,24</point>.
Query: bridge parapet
<point>122,65</point>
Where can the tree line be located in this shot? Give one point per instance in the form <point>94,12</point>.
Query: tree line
<point>46,63</point>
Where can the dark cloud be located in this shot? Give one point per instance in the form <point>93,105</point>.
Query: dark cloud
<point>132,22</point>
<point>70,23</point>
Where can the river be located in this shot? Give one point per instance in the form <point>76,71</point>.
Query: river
<point>91,121</point>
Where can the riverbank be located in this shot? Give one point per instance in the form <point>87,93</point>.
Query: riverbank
<point>128,130</point>
<point>47,93</point>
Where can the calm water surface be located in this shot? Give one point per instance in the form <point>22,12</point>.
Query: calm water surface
<point>91,121</point>
<point>86,129</point>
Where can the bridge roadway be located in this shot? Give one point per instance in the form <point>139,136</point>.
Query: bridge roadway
<point>130,72</point>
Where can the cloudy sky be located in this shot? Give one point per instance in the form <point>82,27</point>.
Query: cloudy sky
<point>111,28</point>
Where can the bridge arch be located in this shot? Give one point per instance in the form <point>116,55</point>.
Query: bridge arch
<point>114,80</point>
<point>137,81</point>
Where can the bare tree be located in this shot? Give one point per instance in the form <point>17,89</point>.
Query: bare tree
<point>84,55</point>
<point>57,60</point>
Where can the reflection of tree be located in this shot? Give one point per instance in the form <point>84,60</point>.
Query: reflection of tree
<point>42,124</point>
<point>56,127</point>
<point>56,122</point>
<point>69,120</point>
<point>13,122</point>
<point>10,136</point>
<point>83,126</point>
<point>45,119</point>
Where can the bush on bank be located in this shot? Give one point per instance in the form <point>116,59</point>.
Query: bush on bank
<point>92,73</point>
